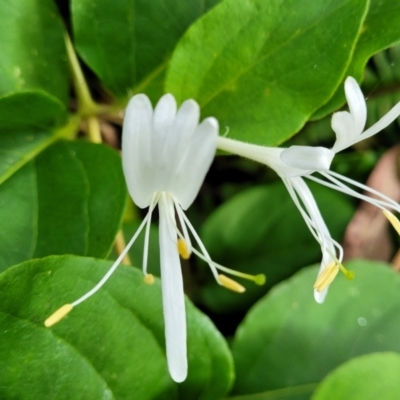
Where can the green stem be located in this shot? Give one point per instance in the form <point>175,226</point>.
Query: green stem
<point>94,132</point>
<point>87,107</point>
<point>86,104</point>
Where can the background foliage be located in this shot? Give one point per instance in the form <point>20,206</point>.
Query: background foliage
<point>270,72</point>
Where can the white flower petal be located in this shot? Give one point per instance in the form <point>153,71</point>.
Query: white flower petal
<point>308,158</point>
<point>182,129</point>
<point>320,296</point>
<point>356,103</point>
<point>193,168</point>
<point>343,125</point>
<point>382,123</point>
<point>270,156</point>
<point>173,297</point>
<point>326,260</point>
<point>136,149</point>
<point>164,115</point>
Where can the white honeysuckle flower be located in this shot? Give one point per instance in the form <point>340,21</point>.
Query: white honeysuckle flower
<point>297,162</point>
<point>166,154</point>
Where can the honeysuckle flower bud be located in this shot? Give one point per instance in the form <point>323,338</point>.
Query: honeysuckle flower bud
<point>297,162</point>
<point>166,154</point>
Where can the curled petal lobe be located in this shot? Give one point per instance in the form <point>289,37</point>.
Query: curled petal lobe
<point>136,148</point>
<point>356,102</point>
<point>173,297</point>
<point>343,125</point>
<point>308,158</point>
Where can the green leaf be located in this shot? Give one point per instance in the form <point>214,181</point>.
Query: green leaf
<point>288,339</point>
<point>263,67</point>
<point>31,361</point>
<point>127,42</point>
<point>33,54</point>
<point>374,376</point>
<point>261,231</point>
<point>70,199</point>
<point>19,146</point>
<point>380,31</point>
<point>30,109</point>
<point>118,333</point>
<point>289,393</point>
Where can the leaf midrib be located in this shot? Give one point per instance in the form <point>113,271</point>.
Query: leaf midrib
<point>279,48</point>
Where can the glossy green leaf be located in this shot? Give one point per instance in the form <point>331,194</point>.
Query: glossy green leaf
<point>118,333</point>
<point>128,42</point>
<point>380,31</point>
<point>373,376</point>
<point>70,199</point>
<point>288,339</point>
<point>31,361</point>
<point>30,109</point>
<point>261,231</point>
<point>19,146</point>
<point>33,54</point>
<point>263,67</point>
<point>289,393</point>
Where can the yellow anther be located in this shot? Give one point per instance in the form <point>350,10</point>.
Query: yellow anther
<point>231,284</point>
<point>393,220</point>
<point>58,315</point>
<point>329,274</point>
<point>149,279</point>
<point>326,277</point>
<point>183,249</point>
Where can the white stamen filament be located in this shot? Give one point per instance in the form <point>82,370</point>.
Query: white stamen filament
<point>116,262</point>
<point>391,202</point>
<point>341,187</point>
<point>153,202</point>
<point>313,226</point>
<point>256,278</point>
<point>186,236</point>
<point>201,245</point>
<point>309,222</point>
<point>320,226</point>
<point>170,214</point>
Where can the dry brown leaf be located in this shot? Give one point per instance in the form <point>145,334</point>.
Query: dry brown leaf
<point>367,235</point>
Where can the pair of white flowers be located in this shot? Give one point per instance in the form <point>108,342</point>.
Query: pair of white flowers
<point>166,154</point>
